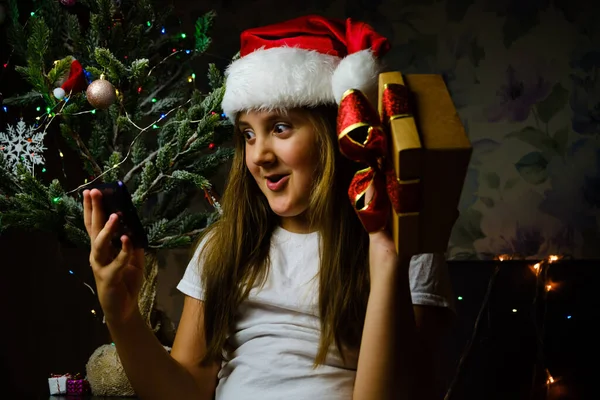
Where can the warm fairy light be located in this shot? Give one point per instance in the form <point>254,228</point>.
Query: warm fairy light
<point>94,312</point>
<point>548,287</point>
<point>550,379</point>
<point>553,258</point>
<point>503,257</point>
<point>60,154</point>
<point>190,80</point>
<point>536,268</point>
<point>514,310</point>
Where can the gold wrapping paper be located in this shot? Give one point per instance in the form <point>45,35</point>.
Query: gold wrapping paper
<point>432,146</point>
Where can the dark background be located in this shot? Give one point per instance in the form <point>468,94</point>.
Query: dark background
<point>48,326</point>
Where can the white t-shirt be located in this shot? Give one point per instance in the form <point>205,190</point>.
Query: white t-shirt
<point>276,337</point>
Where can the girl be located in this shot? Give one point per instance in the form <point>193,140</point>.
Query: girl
<point>287,295</point>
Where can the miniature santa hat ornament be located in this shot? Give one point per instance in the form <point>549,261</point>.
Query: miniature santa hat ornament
<point>74,84</point>
<point>305,62</point>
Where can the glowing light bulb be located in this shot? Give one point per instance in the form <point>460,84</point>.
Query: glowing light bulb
<point>514,310</point>
<point>548,287</point>
<point>553,259</point>
<point>550,380</point>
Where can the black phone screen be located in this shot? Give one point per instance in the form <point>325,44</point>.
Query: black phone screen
<point>117,200</point>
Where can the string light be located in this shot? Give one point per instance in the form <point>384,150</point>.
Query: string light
<point>540,270</point>
<point>550,380</point>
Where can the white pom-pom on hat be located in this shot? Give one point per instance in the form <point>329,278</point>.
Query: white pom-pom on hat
<point>358,71</point>
<point>59,93</point>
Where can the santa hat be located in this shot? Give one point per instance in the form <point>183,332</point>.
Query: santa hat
<point>305,62</point>
<point>75,83</point>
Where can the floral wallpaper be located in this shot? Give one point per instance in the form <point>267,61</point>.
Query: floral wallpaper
<point>524,76</point>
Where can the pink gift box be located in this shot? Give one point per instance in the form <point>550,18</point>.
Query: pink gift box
<point>77,386</point>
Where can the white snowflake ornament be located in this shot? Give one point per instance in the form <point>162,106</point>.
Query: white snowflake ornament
<point>22,145</point>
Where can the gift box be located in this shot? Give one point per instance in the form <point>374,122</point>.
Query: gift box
<point>77,386</point>
<point>57,383</point>
<point>430,154</point>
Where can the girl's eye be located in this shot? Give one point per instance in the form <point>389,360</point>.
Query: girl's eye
<point>248,135</point>
<point>281,128</point>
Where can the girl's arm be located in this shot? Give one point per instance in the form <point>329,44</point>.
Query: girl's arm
<point>391,363</point>
<point>153,373</point>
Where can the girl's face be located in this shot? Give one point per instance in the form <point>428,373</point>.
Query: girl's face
<point>281,156</point>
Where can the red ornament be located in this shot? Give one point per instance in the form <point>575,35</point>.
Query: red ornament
<point>68,3</point>
<point>211,146</point>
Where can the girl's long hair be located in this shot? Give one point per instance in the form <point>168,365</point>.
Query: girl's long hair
<point>235,256</point>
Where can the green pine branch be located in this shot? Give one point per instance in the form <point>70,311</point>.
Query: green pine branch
<point>155,137</point>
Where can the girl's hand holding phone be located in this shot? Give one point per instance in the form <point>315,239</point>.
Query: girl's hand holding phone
<point>118,273</point>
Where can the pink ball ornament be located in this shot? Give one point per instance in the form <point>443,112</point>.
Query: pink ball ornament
<point>68,3</point>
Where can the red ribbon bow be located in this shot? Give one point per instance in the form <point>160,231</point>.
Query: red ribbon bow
<point>363,137</point>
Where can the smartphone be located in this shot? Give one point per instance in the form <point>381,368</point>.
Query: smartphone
<point>117,200</point>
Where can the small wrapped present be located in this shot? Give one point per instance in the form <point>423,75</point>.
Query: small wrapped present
<point>77,386</point>
<point>417,153</point>
<point>57,383</point>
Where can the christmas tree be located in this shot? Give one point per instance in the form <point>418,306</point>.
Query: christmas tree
<point>115,80</point>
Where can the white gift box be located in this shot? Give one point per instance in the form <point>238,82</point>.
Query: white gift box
<point>58,384</point>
